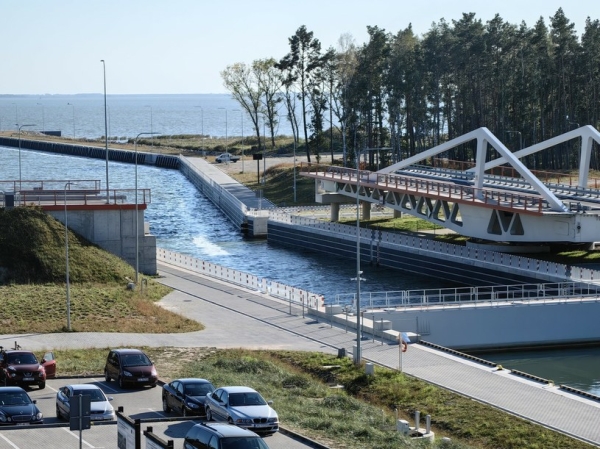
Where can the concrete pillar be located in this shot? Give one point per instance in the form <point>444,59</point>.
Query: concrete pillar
<point>366,210</point>
<point>397,213</point>
<point>335,212</point>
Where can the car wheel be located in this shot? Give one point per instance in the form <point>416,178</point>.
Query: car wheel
<point>106,376</point>
<point>166,407</point>
<point>42,385</point>
<point>230,420</point>
<point>121,382</point>
<point>184,411</point>
<point>58,414</point>
<point>209,416</point>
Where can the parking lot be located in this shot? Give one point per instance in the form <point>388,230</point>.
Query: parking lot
<point>142,404</point>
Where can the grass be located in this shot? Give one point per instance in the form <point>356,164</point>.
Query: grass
<point>362,414</point>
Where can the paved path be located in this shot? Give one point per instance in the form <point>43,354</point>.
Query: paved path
<point>235,317</point>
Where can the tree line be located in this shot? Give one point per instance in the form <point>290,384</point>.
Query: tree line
<point>407,93</point>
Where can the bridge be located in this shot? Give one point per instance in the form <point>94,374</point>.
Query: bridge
<point>500,200</point>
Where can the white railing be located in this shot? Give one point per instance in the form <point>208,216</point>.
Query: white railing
<point>263,285</point>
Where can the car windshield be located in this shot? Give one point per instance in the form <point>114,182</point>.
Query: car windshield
<point>198,389</point>
<point>243,443</point>
<point>14,399</point>
<point>21,359</point>
<point>241,399</point>
<point>96,395</point>
<point>136,360</point>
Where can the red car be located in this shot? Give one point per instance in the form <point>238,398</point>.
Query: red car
<point>22,368</point>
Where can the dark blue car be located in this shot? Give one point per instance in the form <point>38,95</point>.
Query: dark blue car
<point>17,408</point>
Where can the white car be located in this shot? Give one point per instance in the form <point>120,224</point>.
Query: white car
<point>101,408</point>
<point>243,407</point>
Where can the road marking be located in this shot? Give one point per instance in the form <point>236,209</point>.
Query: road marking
<point>8,441</point>
<point>77,436</point>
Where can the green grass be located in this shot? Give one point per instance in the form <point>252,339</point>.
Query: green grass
<point>362,414</point>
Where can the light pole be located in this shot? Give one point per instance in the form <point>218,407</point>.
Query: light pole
<point>22,126</point>
<point>105,130</point>
<point>73,106</point>
<point>226,140</point>
<point>67,261</point>
<point>202,120</point>
<point>242,117</point>
<point>137,233</point>
<point>16,113</point>
<point>43,118</point>
<point>358,355</point>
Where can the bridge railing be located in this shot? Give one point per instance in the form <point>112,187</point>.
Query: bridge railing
<point>497,295</point>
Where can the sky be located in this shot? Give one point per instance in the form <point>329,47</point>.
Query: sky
<point>182,46</point>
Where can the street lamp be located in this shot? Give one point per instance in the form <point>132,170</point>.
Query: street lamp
<point>22,126</point>
<point>105,130</point>
<point>226,140</point>
<point>43,119</point>
<point>202,112</point>
<point>73,106</point>
<point>242,116</point>
<point>67,261</point>
<point>358,354</point>
<point>137,239</point>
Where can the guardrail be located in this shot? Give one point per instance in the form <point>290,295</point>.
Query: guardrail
<point>464,296</point>
<point>263,285</point>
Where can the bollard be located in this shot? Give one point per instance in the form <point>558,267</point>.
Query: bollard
<point>427,424</point>
<point>417,420</point>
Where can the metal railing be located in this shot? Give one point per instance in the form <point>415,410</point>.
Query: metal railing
<point>497,295</point>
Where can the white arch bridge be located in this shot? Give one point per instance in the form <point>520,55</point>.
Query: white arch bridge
<point>499,200</point>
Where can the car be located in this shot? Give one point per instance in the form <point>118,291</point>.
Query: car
<point>21,368</point>
<point>222,436</point>
<point>100,406</point>
<point>130,367</point>
<point>17,408</point>
<point>226,157</point>
<point>242,406</point>
<point>186,396</point>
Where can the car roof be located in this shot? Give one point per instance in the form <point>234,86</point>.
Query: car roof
<point>12,390</point>
<point>127,351</point>
<point>227,430</point>
<point>192,380</point>
<point>84,387</point>
<point>238,389</point>
<point>17,351</point>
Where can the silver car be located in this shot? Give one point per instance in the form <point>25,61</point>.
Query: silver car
<point>101,408</point>
<point>243,407</point>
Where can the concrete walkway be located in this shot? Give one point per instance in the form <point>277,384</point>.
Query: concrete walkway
<point>235,317</point>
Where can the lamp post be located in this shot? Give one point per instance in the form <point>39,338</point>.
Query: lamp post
<point>242,117</point>
<point>73,106</point>
<point>67,261</point>
<point>202,119</point>
<point>137,239</point>
<point>22,126</point>
<point>226,139</point>
<point>16,113</point>
<point>43,118</point>
<point>105,130</point>
<point>358,355</point>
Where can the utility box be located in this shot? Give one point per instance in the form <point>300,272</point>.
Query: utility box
<point>402,426</point>
<point>9,200</point>
<point>369,369</point>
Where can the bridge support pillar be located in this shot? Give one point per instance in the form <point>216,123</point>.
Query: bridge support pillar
<point>366,210</point>
<point>397,213</point>
<point>335,212</point>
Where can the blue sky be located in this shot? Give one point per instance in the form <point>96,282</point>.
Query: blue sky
<point>181,46</point>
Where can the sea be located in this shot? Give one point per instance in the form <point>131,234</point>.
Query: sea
<point>183,220</point>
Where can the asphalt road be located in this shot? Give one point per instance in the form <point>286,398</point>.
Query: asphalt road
<point>142,403</point>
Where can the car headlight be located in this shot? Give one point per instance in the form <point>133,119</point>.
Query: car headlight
<point>153,373</point>
<point>243,421</point>
<point>3,418</point>
<point>38,416</point>
<point>192,405</point>
<point>272,420</point>
<point>127,374</point>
